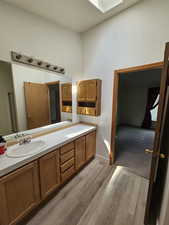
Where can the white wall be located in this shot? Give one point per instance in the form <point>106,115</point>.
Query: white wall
<point>21,74</point>
<point>136,36</point>
<point>32,35</point>
<point>35,36</point>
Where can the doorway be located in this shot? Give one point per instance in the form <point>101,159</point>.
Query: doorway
<point>135,106</point>
<point>54,100</point>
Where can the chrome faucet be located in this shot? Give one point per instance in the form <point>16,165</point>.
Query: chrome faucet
<point>23,138</point>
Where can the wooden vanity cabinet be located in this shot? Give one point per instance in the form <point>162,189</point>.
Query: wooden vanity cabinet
<point>23,190</point>
<point>19,194</point>
<point>90,145</point>
<point>80,152</point>
<point>49,168</point>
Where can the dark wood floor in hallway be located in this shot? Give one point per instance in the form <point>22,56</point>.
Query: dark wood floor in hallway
<point>98,195</point>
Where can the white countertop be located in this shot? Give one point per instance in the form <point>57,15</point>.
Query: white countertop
<point>53,141</point>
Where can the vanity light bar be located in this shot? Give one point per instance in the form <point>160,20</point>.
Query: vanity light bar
<point>17,57</point>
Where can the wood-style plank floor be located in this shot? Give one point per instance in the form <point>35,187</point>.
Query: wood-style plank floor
<point>98,195</point>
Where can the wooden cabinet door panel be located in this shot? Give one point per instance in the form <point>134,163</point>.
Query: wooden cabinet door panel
<point>49,173</point>
<point>90,145</point>
<point>87,90</point>
<point>19,194</point>
<point>91,91</point>
<point>82,91</point>
<point>67,92</point>
<point>80,152</point>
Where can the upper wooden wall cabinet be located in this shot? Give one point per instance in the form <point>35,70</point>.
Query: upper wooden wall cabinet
<point>89,97</point>
<point>66,89</point>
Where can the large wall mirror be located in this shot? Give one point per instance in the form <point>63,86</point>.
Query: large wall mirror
<point>32,98</point>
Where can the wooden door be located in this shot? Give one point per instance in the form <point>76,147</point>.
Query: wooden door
<point>19,194</point>
<point>37,104</point>
<point>80,152</point>
<point>158,165</point>
<point>67,92</point>
<point>90,145</point>
<point>49,173</point>
<point>91,90</point>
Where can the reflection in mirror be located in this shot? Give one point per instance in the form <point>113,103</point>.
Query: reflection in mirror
<point>31,98</point>
<point>7,107</point>
<point>67,97</point>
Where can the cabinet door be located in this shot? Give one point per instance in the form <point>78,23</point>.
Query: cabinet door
<point>19,194</point>
<point>80,152</point>
<point>49,173</point>
<point>91,90</point>
<point>67,92</point>
<point>90,145</point>
<point>82,91</point>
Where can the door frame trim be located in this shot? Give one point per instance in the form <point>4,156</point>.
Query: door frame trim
<point>118,72</point>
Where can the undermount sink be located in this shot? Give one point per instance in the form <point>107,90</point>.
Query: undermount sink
<point>26,149</point>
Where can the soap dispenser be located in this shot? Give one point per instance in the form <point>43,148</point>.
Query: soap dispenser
<point>3,145</point>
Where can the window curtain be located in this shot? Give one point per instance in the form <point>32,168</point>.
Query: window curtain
<point>151,98</point>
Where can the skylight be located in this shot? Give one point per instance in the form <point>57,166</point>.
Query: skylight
<point>106,5</point>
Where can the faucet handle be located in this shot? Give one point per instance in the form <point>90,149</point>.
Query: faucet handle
<point>23,138</point>
<point>29,138</point>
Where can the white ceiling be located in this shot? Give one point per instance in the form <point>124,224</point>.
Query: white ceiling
<point>78,15</point>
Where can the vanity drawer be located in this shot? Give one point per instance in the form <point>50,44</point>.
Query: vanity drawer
<point>65,157</point>
<point>67,148</point>
<point>67,165</point>
<point>67,174</point>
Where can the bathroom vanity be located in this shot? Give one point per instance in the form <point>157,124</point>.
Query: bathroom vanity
<point>26,181</point>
